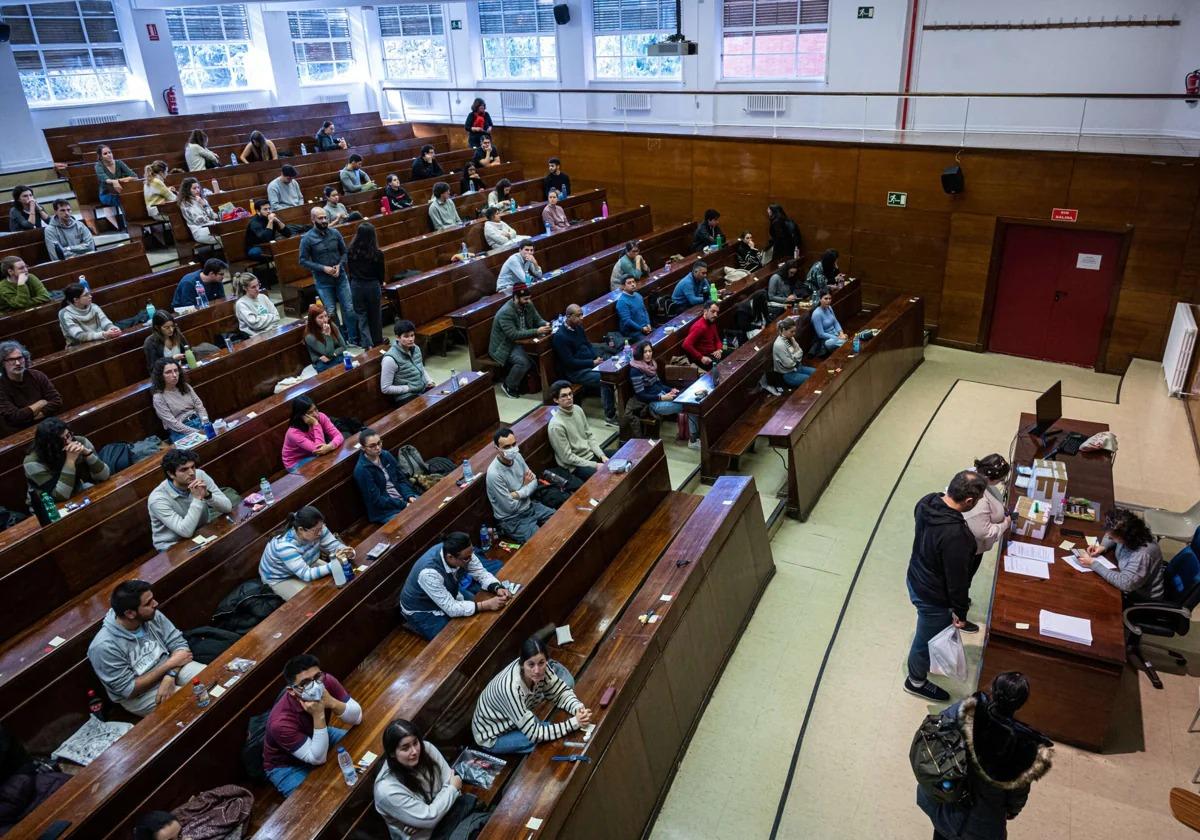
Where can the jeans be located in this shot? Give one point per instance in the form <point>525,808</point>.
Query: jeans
<point>368,313</point>
<point>931,620</point>
<point>795,378</point>
<point>591,379</point>
<point>516,741</point>
<point>321,367</point>
<point>287,779</point>
<point>583,473</point>
<point>667,408</point>
<point>834,343</point>
<point>256,252</point>
<point>335,290</point>
<point>522,526</point>
<point>519,365</point>
<point>425,624</point>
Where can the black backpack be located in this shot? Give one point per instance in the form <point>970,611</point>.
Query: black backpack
<point>246,606</point>
<point>938,756</point>
<point>207,643</point>
<point>252,749</point>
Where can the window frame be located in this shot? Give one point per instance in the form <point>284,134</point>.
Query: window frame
<point>348,77</point>
<point>190,44</point>
<point>753,31</point>
<point>507,37</point>
<point>622,56</point>
<point>444,39</point>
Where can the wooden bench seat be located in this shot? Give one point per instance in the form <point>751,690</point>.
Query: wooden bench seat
<point>101,267</point>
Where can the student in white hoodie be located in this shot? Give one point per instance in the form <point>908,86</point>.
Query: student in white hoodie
<point>988,520</point>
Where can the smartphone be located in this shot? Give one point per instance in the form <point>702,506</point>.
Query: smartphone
<point>1071,532</point>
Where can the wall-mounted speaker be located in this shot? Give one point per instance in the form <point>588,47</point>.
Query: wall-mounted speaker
<point>5,33</point>
<point>562,15</point>
<point>953,181</point>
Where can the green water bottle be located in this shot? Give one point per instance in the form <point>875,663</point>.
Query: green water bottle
<point>713,295</point>
<point>51,509</point>
<point>191,358</point>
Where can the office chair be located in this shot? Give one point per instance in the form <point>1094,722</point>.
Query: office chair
<point>1170,617</point>
<point>1178,525</point>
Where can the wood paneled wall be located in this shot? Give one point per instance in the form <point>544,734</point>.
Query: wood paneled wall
<point>939,246</point>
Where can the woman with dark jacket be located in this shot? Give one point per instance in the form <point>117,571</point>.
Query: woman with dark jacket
<point>478,123</point>
<point>166,340</point>
<point>397,197</point>
<point>364,262</point>
<point>784,240</point>
<point>1005,756</point>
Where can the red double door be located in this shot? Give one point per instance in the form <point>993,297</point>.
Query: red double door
<point>1053,293</point>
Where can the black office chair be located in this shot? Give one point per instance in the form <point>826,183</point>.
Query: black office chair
<point>1168,618</point>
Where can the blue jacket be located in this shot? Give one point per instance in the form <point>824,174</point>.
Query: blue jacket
<point>371,486</point>
<point>632,315</point>
<point>825,323</point>
<point>574,352</point>
<point>185,292</point>
<point>689,291</point>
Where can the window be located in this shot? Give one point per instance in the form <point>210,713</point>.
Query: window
<point>774,39</point>
<point>212,45</point>
<point>68,52</point>
<point>518,39</point>
<point>414,41</point>
<point>321,44</point>
<point>623,29</point>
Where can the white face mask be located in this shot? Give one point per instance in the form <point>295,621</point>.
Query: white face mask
<point>510,452</point>
<point>313,692</point>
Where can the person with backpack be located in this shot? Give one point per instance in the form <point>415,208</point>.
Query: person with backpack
<point>383,486</point>
<point>184,501</point>
<point>1004,757</point>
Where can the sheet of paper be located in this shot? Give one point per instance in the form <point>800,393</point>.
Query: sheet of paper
<point>534,824</point>
<point>368,758</point>
<point>1100,560</point>
<point>1074,564</point>
<point>1092,541</point>
<point>1030,551</point>
<point>1025,566</point>
<point>1022,625</point>
<point>1066,545</point>
<point>1069,628</point>
<point>217,690</point>
<point>56,641</point>
<point>562,635</point>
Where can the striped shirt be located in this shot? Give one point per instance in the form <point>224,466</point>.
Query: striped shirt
<point>285,557</point>
<point>507,703</point>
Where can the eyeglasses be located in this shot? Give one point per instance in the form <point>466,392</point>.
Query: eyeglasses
<point>304,685</point>
<point>11,359</point>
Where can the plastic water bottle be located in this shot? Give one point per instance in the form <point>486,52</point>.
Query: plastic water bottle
<point>95,705</point>
<point>604,210</point>
<point>348,771</point>
<point>190,357</point>
<point>1060,510</point>
<point>453,379</point>
<point>210,431</point>
<point>627,353</point>
<point>720,240</point>
<point>51,509</point>
<point>857,344</point>
<point>229,344</point>
<point>468,473</point>
<point>83,282</point>
<point>264,487</point>
<point>150,310</point>
<point>347,360</point>
<point>485,538</point>
<point>232,159</point>
<point>547,228</point>
<point>201,693</point>
<point>464,252</point>
<point>347,570</point>
<point>303,149</point>
<point>512,205</point>
<point>201,296</point>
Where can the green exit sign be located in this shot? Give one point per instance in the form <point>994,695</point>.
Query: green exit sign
<point>456,24</point>
<point>866,12</point>
<point>897,199</point>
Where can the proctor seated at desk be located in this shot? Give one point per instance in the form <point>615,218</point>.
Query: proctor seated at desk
<point>139,656</point>
<point>185,501</point>
<point>707,232</point>
<point>703,341</point>
<point>176,402</point>
<point>471,182</point>
<point>256,313</point>
<point>425,165</point>
<point>263,228</point>
<point>81,320</point>
<point>325,139</point>
<point>825,323</point>
<point>61,464</point>
<point>824,273</point>
<point>786,287</point>
<point>322,340</point>
<point>284,191</point>
<point>521,267</point>
<point>633,319</point>
<point>25,213</point>
<point>692,290</point>
<point>66,236</point>
<point>354,178</point>
<point>575,447</point>
<point>394,193</point>
<point>433,591</point>
<point>292,559</point>
<point>553,214</point>
<point>496,232</point>
<point>402,374</point>
<point>577,358</point>
<point>310,434</point>
<point>748,257</point>
<point>787,357</point>
<point>504,722</point>
<point>382,484</point>
<point>1139,572</point>
<point>502,195</point>
<point>516,319</point>
<point>659,399</point>
<point>211,277</point>
<point>18,288</point>
<point>26,395</point>
<point>988,520</point>
<point>487,154</point>
<point>442,212</point>
<point>166,340</point>
<point>556,181</point>
<point>632,264</point>
<point>510,488</point>
<point>297,737</point>
<point>337,211</point>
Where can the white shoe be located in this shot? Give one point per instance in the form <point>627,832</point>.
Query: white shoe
<point>694,444</point>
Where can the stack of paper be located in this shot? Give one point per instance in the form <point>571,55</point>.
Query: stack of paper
<point>1066,627</point>
<point>1025,566</point>
<point>1030,551</point>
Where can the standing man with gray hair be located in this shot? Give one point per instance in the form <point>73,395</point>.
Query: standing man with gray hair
<point>27,396</point>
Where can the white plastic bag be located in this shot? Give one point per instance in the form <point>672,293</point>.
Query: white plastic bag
<point>946,654</point>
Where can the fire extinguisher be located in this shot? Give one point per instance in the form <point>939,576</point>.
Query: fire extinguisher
<point>171,100</point>
<point>1191,83</point>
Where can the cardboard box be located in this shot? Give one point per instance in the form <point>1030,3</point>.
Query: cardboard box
<point>1048,482</point>
<point>1027,522</point>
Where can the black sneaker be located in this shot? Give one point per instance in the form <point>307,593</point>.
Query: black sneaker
<point>969,627</point>
<point>928,691</point>
<point>504,388</point>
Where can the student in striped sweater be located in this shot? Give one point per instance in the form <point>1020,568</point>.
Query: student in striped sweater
<point>292,559</point>
<point>504,721</point>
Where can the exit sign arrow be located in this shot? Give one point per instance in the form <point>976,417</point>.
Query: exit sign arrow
<point>897,199</point>
<point>866,12</point>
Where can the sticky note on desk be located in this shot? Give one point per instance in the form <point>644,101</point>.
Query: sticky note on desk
<point>534,824</point>
<point>250,415</point>
<point>1066,544</point>
<point>217,690</point>
<point>56,641</point>
<point>562,635</point>
<point>664,598</point>
<point>1022,625</point>
<point>368,759</point>
<point>1093,541</point>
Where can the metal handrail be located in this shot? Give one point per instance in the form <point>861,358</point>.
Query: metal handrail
<point>752,92</point>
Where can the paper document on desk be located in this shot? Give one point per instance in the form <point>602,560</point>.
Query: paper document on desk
<point>1105,562</point>
<point>1069,628</point>
<point>1074,564</point>
<point>1030,551</point>
<point>1025,566</point>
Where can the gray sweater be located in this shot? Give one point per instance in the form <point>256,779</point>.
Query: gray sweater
<point>443,214</point>
<point>786,355</point>
<point>63,241</point>
<point>502,479</point>
<point>83,325</point>
<point>175,516</point>
<point>1139,571</point>
<point>256,315</point>
<point>284,195</point>
<point>120,656</point>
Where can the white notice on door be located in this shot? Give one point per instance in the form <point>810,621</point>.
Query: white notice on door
<point>1089,261</point>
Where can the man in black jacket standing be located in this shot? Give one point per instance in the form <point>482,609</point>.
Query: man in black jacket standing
<point>939,574</point>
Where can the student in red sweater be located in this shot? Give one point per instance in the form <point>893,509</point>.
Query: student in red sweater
<point>703,342</point>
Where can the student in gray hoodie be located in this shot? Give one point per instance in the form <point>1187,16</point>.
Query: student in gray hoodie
<point>65,235</point>
<point>139,655</point>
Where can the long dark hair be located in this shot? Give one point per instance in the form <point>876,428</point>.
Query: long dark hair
<point>531,647</point>
<point>156,376</point>
<point>829,264</point>
<point>776,214</point>
<point>161,318</point>
<point>306,517</point>
<point>259,144</point>
<point>185,190</point>
<point>364,247</point>
<point>993,467</point>
<point>1131,528</point>
<point>424,779</point>
<point>300,406</point>
<point>48,445</point>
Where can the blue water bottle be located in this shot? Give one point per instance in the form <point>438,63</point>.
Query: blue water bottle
<point>83,282</point>
<point>347,360</point>
<point>232,159</point>
<point>547,228</point>
<point>512,205</point>
<point>485,538</point>
<point>468,473</point>
<point>857,344</point>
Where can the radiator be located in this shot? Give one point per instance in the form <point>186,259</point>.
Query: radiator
<point>334,97</point>
<point>763,103</point>
<point>93,119</point>
<point>517,100</point>
<point>422,99</point>
<point>632,102</point>
<point>1181,344</point>
<point>230,106</point>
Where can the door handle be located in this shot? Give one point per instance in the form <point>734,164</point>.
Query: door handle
<point>1059,294</point>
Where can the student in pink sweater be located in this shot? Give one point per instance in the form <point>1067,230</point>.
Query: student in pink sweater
<point>310,434</point>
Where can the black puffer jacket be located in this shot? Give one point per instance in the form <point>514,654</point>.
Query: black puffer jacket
<point>939,570</point>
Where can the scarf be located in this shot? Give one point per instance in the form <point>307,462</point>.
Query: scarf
<point>648,368</point>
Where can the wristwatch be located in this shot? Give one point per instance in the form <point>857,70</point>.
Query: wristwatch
<point>173,673</point>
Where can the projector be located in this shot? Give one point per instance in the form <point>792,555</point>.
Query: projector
<point>672,48</point>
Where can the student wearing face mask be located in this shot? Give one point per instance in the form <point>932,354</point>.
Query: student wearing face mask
<point>298,737</point>
<point>510,488</point>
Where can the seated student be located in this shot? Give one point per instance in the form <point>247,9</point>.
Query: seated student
<point>354,178</point>
<point>297,737</point>
<point>496,232</point>
<point>18,288</point>
<point>197,212</point>
<point>825,323</point>
<point>433,591</point>
<point>1139,572</point>
<point>321,337</point>
<point>632,264</point>
<point>284,191</point>
<point>659,399</point>
<point>504,722</point>
<point>166,340</point>
<point>176,402</point>
<point>310,434</point>
<point>703,341</point>
<point>325,139</point>
<point>337,211</point>
<point>785,287</point>
<point>556,180</point>
<point>748,257</point>
<point>66,236</point>
<point>26,213</point>
<point>384,487</point>
<point>263,228</point>
<point>402,374</point>
<point>577,358</point>
<point>471,182</point>
<point>553,215</point>
<point>442,213</point>
<point>824,272</point>
<point>221,812</point>
<point>707,231</point>
<point>425,165</point>
<point>521,267</point>
<point>692,290</point>
<point>394,193</point>
<point>575,447</point>
<point>61,464</point>
<point>515,320</point>
<point>502,194</point>
<point>633,320</point>
<point>197,155</point>
<point>81,320</point>
<point>139,656</point>
<point>155,191</point>
<point>112,176</point>
<point>510,487</point>
<point>258,149</point>
<point>787,358</point>
<point>256,313</point>
<point>185,501</point>
<point>211,276</point>
<point>292,559</point>
<point>27,396</point>
<point>486,154</point>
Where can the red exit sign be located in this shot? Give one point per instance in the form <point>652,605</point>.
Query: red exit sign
<point>1062,214</point>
